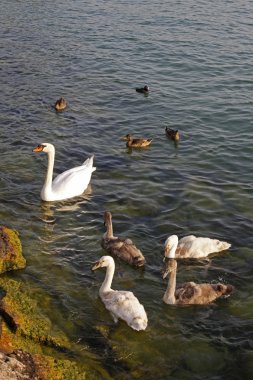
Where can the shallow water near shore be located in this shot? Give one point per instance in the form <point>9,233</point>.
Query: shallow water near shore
<point>196,58</point>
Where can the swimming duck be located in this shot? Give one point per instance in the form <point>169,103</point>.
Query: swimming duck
<point>121,304</point>
<point>136,143</point>
<point>68,184</point>
<point>172,134</point>
<point>60,104</point>
<point>193,247</point>
<point>123,248</point>
<point>143,90</point>
<point>191,293</point>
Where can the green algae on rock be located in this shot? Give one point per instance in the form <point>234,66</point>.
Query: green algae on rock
<point>25,326</point>
<point>24,316</point>
<point>11,257</point>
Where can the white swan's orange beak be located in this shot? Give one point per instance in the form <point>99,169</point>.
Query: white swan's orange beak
<point>39,148</point>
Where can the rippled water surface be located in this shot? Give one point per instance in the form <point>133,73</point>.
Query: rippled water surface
<point>197,59</point>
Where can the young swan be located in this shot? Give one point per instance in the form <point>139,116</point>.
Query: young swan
<point>68,184</point>
<point>191,293</point>
<point>120,247</point>
<point>193,247</point>
<point>121,304</point>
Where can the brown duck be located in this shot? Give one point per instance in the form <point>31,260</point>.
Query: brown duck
<point>120,247</point>
<point>172,134</point>
<point>60,104</point>
<point>136,143</point>
<point>191,293</point>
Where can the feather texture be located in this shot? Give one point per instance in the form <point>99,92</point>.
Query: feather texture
<point>121,304</point>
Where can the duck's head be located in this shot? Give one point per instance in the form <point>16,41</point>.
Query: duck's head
<point>127,137</point>
<point>104,261</point>
<point>44,147</point>
<point>170,265</point>
<point>146,88</point>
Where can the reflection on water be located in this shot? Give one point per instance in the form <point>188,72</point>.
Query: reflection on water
<point>50,215</point>
<point>48,208</point>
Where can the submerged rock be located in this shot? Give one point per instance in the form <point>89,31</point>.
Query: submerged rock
<point>11,257</point>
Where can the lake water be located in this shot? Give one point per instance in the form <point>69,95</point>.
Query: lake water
<point>197,59</point>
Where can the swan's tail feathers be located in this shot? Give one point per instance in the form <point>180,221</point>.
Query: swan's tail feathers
<point>139,261</point>
<point>223,245</point>
<point>139,323</point>
<point>229,290</point>
<point>89,163</point>
<point>224,290</point>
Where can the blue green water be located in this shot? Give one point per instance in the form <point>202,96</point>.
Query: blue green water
<point>197,59</point>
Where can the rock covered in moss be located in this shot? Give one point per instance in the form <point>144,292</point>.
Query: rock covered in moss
<point>11,257</point>
<point>25,325</point>
<point>24,316</point>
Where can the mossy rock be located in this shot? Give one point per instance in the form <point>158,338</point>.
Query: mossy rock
<point>25,326</point>
<point>24,316</point>
<point>52,364</point>
<point>11,257</point>
<point>50,368</point>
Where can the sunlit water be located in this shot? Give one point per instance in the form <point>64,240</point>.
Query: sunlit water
<point>197,59</point>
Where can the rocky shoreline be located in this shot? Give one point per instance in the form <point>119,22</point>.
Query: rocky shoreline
<point>31,346</point>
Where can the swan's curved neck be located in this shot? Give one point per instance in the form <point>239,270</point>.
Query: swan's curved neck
<point>50,167</point>
<point>169,295</point>
<point>106,286</point>
<point>109,231</point>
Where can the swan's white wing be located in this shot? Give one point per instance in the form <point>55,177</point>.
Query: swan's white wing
<point>126,306</point>
<point>86,167</point>
<point>74,181</point>
<point>187,239</point>
<point>192,246</point>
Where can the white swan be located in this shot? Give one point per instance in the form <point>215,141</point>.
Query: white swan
<point>192,247</point>
<point>191,293</point>
<point>122,304</point>
<point>68,184</point>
